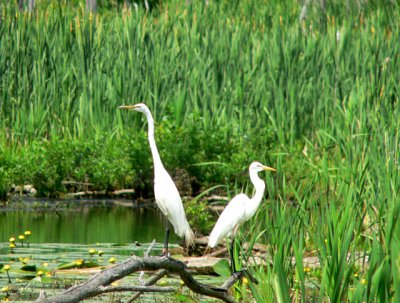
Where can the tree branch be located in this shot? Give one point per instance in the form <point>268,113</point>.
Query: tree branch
<point>153,280</point>
<point>99,282</point>
<point>135,288</point>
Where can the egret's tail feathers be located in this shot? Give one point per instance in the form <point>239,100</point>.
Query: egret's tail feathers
<point>212,241</point>
<point>189,236</point>
<point>207,250</point>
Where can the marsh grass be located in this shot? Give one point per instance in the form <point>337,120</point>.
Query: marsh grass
<point>228,83</point>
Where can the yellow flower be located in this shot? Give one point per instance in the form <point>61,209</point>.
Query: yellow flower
<point>162,282</point>
<point>307,269</point>
<point>79,262</point>
<point>21,237</point>
<point>12,239</point>
<point>5,289</point>
<point>355,275</point>
<point>245,280</point>
<point>48,274</point>
<point>39,273</point>
<point>27,233</point>
<point>45,264</point>
<point>182,283</point>
<point>12,245</point>
<point>112,260</point>
<point>363,282</point>
<point>92,251</point>
<point>7,267</point>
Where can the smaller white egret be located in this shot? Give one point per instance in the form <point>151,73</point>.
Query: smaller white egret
<point>165,192</point>
<point>240,209</point>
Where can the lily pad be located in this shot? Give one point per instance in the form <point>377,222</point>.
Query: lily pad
<point>28,268</point>
<point>78,264</point>
<point>222,268</point>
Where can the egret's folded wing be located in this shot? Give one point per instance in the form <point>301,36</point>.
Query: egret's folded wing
<point>229,219</point>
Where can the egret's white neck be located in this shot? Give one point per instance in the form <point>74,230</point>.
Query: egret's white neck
<point>154,151</point>
<point>255,201</point>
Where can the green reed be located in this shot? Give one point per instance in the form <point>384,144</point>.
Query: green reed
<point>66,71</point>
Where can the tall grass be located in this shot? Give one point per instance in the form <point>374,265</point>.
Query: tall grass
<point>63,70</point>
<point>318,100</point>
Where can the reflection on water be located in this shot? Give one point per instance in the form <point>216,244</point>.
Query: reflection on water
<point>85,225</point>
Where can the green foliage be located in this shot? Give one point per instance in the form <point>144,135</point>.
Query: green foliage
<point>5,182</point>
<point>199,216</point>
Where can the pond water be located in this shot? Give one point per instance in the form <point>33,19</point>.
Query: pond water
<point>66,242</point>
<point>84,223</point>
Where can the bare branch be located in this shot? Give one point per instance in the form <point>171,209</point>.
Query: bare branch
<point>136,288</point>
<point>96,284</point>
<point>146,254</point>
<point>153,280</point>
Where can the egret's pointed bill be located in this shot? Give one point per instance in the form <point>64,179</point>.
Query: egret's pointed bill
<point>127,106</point>
<point>269,168</point>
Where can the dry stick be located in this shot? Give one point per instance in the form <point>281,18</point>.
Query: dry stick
<point>95,285</point>
<point>157,276</point>
<point>146,254</point>
<point>105,289</point>
<point>218,252</point>
<point>153,280</point>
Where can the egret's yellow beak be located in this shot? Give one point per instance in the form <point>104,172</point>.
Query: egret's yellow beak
<point>269,168</point>
<point>127,106</point>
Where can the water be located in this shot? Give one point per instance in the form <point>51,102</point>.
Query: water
<point>64,235</point>
<point>85,224</point>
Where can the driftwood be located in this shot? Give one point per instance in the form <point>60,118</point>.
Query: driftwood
<point>100,282</point>
<point>100,193</point>
<point>256,247</point>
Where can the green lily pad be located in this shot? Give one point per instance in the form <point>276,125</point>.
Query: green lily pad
<point>222,268</point>
<point>28,268</point>
<point>78,264</point>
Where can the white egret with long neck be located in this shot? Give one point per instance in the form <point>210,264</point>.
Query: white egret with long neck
<point>240,209</point>
<point>165,192</point>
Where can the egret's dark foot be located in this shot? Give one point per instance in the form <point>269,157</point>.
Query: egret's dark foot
<point>165,253</point>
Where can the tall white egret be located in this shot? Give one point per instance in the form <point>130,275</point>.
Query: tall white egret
<point>165,192</point>
<point>240,209</point>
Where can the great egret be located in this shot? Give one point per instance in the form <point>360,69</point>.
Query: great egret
<point>240,209</point>
<point>165,191</point>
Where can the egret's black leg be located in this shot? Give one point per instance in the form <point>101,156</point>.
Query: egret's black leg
<point>166,239</point>
<point>232,255</point>
<point>165,250</point>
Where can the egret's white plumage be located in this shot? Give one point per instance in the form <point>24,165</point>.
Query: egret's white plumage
<point>166,194</point>
<point>240,209</point>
